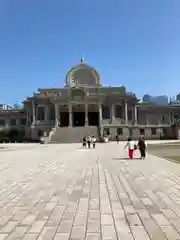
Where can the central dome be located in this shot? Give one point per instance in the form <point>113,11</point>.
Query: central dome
<point>82,75</point>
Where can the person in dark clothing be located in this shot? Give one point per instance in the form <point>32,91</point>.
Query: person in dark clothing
<point>89,142</point>
<point>84,142</point>
<point>93,141</point>
<point>117,138</point>
<point>142,148</point>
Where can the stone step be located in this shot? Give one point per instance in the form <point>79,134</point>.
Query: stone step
<point>73,134</point>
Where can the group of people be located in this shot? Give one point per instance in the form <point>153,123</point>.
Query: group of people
<point>132,146</point>
<point>88,141</point>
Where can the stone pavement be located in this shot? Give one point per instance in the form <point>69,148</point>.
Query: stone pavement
<point>63,192</point>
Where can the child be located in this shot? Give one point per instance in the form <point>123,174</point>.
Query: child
<point>130,144</point>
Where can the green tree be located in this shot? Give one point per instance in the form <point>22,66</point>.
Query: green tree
<point>17,106</point>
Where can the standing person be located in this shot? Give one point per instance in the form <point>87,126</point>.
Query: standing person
<point>89,141</point>
<point>130,144</point>
<point>117,138</point>
<point>142,147</point>
<point>84,142</point>
<point>93,141</point>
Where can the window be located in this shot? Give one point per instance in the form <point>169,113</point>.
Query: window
<point>130,115</point>
<point>119,131</point>
<point>52,113</point>
<point>40,133</point>
<point>40,113</point>
<point>106,131</point>
<point>142,131</point>
<point>2,122</point>
<point>22,121</point>
<point>106,112</point>
<point>130,132</point>
<point>164,130</point>
<point>153,131</point>
<point>12,121</point>
<point>118,111</point>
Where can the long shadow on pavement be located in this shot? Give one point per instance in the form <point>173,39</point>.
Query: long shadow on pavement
<point>125,158</point>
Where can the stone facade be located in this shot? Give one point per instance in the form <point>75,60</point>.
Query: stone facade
<point>84,103</point>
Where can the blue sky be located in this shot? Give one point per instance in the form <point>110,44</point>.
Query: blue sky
<point>135,43</point>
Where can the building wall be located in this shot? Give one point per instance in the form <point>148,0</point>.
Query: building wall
<point>5,107</point>
<point>136,132</point>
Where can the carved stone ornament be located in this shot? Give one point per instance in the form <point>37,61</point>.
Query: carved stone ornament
<point>72,82</point>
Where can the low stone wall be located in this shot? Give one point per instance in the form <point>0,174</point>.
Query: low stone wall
<point>134,132</point>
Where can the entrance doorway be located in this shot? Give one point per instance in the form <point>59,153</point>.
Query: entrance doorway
<point>78,119</point>
<point>93,118</point>
<point>64,119</point>
<point>93,115</point>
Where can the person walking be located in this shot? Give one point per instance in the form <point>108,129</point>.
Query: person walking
<point>142,147</point>
<point>89,140</point>
<point>130,144</point>
<point>117,138</point>
<point>84,142</point>
<point>93,141</point>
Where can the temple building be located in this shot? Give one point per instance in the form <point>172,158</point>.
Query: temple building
<point>85,107</point>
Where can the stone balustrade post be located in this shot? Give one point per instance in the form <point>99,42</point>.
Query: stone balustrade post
<point>100,114</point>
<point>112,112</point>
<point>86,114</point>
<point>34,112</point>
<point>135,114</point>
<point>70,115</point>
<point>56,114</point>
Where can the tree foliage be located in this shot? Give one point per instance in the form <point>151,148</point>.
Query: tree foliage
<point>17,106</point>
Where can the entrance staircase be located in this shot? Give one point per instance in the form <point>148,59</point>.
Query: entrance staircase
<point>72,134</point>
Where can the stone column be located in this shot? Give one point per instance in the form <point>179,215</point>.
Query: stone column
<point>100,114</point>
<point>159,122</point>
<point>126,112</point>
<point>86,114</point>
<point>56,113</point>
<point>112,112</point>
<point>135,114</point>
<point>17,121</point>
<point>70,115</point>
<point>7,122</point>
<point>147,120</point>
<point>34,112</point>
<point>172,118</point>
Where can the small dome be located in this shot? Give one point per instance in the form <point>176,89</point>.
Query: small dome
<point>82,75</point>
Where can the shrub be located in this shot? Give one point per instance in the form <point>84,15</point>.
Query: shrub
<point>12,135</point>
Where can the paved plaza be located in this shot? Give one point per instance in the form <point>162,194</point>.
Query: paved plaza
<point>64,192</point>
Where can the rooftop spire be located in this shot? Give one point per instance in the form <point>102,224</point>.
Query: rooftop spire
<point>82,60</point>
